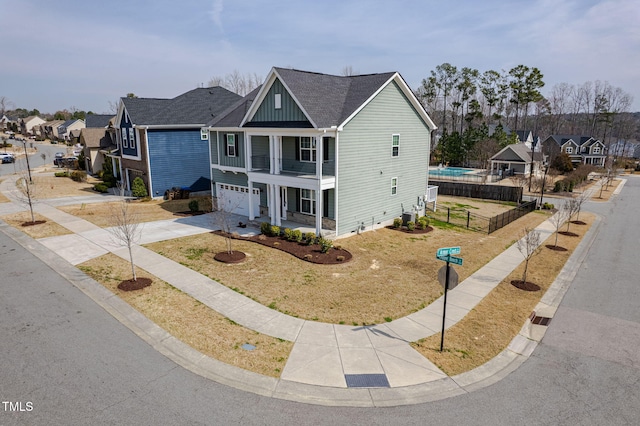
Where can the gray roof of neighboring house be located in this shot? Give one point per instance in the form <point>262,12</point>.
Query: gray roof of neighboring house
<point>562,139</point>
<point>197,106</point>
<point>517,152</point>
<point>232,116</point>
<point>329,99</point>
<point>98,120</point>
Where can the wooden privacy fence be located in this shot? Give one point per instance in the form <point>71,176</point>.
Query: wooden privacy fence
<point>474,190</point>
<point>476,222</point>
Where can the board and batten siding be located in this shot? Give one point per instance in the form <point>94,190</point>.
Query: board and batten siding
<point>366,165</point>
<point>178,158</point>
<point>223,158</point>
<point>289,110</point>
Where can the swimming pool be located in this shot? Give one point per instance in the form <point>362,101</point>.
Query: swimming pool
<point>449,171</point>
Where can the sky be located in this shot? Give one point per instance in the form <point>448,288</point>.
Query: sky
<point>73,54</point>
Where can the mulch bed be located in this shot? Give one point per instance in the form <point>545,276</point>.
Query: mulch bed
<point>526,286</point>
<point>568,233</point>
<point>415,231</point>
<point>578,222</point>
<point>189,213</point>
<point>131,285</point>
<point>555,248</point>
<point>308,253</point>
<point>234,257</point>
<point>37,222</point>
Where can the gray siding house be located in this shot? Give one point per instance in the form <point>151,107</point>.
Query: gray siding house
<point>340,154</point>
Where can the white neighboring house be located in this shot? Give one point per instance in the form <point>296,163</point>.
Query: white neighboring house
<point>27,124</point>
<point>65,129</point>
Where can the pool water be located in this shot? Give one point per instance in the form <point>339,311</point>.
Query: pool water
<point>449,171</point>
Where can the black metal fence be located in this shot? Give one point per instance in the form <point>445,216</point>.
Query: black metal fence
<point>506,218</point>
<point>476,222</point>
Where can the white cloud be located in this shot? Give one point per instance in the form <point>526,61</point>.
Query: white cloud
<point>216,13</point>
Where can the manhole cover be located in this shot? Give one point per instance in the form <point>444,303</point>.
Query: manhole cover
<point>366,380</point>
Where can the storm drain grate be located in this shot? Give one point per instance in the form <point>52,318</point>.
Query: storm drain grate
<point>540,320</point>
<point>366,380</point>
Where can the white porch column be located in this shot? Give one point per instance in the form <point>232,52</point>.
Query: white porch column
<point>278,154</point>
<point>319,210</point>
<point>247,153</point>
<point>252,214</point>
<point>278,204</point>
<point>319,152</point>
<point>272,165</point>
<point>271,202</point>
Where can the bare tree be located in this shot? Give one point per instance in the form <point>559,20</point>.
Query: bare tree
<point>348,70</point>
<point>237,82</point>
<point>557,220</point>
<point>125,228</point>
<point>27,192</point>
<point>223,217</point>
<point>570,208</point>
<point>528,247</point>
<point>580,200</point>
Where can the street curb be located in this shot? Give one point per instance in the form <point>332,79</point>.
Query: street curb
<point>518,351</point>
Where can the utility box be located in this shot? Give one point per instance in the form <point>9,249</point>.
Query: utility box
<point>408,217</point>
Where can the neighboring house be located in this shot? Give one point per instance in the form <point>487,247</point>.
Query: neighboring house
<point>516,159</point>
<point>95,121</point>
<point>161,141</point>
<point>27,124</point>
<point>338,153</point>
<point>581,149</point>
<point>97,143</point>
<point>66,129</point>
<point>6,122</point>
<point>525,136</point>
<point>50,129</point>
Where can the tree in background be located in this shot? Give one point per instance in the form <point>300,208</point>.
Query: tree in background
<point>237,82</point>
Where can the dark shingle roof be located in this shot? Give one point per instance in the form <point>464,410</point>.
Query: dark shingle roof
<point>329,99</point>
<point>97,120</point>
<point>562,139</point>
<point>197,106</point>
<point>232,116</point>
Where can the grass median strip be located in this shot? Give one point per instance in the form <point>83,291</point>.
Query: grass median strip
<point>489,328</point>
<point>192,322</point>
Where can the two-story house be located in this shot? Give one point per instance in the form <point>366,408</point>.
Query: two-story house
<point>161,141</point>
<point>338,153</point>
<point>581,149</point>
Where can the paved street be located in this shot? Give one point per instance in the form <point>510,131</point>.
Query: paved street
<point>79,365</point>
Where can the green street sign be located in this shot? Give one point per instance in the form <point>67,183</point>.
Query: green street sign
<point>451,259</point>
<point>446,251</point>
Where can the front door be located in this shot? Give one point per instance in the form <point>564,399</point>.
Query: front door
<point>283,198</point>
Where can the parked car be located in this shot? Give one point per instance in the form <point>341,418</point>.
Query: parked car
<point>7,157</point>
<point>57,161</point>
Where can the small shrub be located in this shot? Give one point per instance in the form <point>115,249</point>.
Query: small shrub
<point>325,245</point>
<point>265,228</point>
<point>138,189</point>
<point>547,206</point>
<point>275,231</point>
<point>397,222</point>
<point>101,187</point>
<point>411,225</point>
<point>287,234</point>
<point>423,222</point>
<point>61,174</point>
<point>296,235</point>
<point>193,206</point>
<point>310,238</point>
<point>558,186</point>
<point>78,176</point>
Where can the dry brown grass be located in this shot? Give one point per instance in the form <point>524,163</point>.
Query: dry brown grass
<point>41,230</point>
<point>56,187</point>
<point>4,199</point>
<point>391,275</point>
<point>606,193</point>
<point>192,322</point>
<point>147,210</point>
<point>496,320</point>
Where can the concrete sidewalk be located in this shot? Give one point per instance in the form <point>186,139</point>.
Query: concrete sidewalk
<point>330,364</point>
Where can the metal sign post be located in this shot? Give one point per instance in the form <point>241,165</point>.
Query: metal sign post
<point>444,254</point>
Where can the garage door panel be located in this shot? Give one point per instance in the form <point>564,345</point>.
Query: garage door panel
<point>235,199</point>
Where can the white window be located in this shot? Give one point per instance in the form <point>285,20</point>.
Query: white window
<point>132,137</point>
<point>278,100</point>
<point>569,150</point>
<point>204,134</point>
<point>307,149</point>
<point>125,138</point>
<point>395,145</point>
<point>394,186</point>
<point>596,150</point>
<point>231,145</point>
<point>307,201</point>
